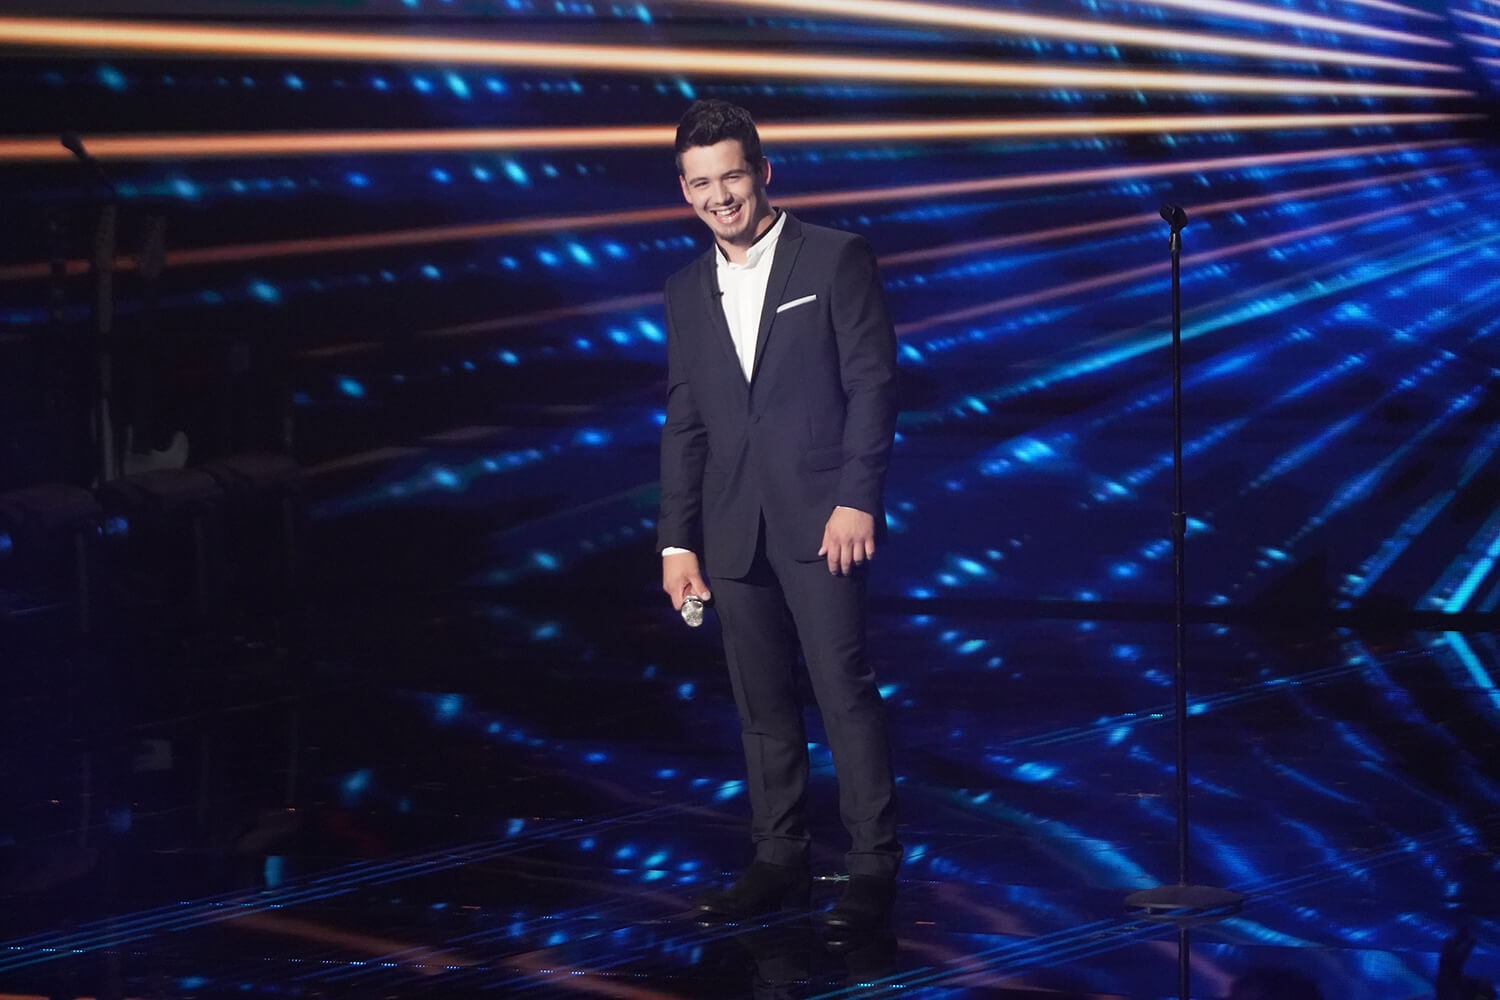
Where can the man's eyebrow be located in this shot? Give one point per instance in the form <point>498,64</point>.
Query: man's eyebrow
<point>699,178</point>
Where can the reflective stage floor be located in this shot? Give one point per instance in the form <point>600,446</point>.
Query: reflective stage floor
<point>440,795</point>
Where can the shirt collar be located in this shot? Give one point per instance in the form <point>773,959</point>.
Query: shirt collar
<point>762,245</point>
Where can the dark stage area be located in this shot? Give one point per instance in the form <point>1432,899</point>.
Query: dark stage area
<point>463,797</point>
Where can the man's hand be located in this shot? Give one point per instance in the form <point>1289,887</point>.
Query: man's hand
<point>680,577</point>
<point>848,540</point>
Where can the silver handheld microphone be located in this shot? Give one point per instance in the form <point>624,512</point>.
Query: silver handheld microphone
<point>692,610</point>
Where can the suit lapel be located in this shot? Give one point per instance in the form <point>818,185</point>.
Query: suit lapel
<point>787,247</point>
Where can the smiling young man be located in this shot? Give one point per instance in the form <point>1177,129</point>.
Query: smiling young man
<point>780,417</point>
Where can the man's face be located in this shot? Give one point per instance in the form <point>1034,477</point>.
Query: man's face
<point>728,193</point>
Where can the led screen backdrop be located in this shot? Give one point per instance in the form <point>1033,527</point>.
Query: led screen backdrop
<point>440,230</point>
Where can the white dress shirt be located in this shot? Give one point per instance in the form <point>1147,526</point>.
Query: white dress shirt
<point>742,290</point>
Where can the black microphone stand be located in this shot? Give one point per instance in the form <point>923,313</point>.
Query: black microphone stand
<point>1183,904</point>
<point>101,307</point>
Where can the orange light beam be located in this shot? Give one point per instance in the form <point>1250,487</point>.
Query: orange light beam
<point>187,146</point>
<point>1036,26</point>
<point>1131,221</point>
<point>947,189</point>
<point>235,253</point>
<point>1148,270</point>
<point>200,40</point>
<point>426,960</point>
<point>1273,15</point>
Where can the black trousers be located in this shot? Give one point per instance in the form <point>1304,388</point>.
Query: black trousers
<point>781,606</point>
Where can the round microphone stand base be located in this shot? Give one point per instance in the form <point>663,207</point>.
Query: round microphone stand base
<point>1184,904</point>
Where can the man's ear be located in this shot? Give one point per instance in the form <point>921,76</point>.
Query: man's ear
<point>685,195</point>
<point>765,171</point>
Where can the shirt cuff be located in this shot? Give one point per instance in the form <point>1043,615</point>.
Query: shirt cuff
<point>673,550</point>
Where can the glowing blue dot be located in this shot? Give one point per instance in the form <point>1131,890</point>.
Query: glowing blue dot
<point>587,844</point>
<point>619,336</point>
<point>112,78</point>
<point>596,757</point>
<point>422,84</point>
<point>508,358</point>
<point>440,175</point>
<point>446,478</point>
<point>379,83</point>
<point>583,344</point>
<point>685,691</point>
<point>494,85</point>
<point>354,784</point>
<point>543,632</point>
<point>1197,708</point>
<point>516,173</point>
<point>729,790</point>
<point>1031,450</point>
<point>547,257</point>
<point>192,982</point>
<point>294,81</point>
<point>264,291</point>
<point>625,852</point>
<point>431,271</point>
<point>592,438</point>
<point>581,254</point>
<point>515,826</point>
<point>1124,571</point>
<point>481,174</point>
<point>887,690</point>
<point>659,418</point>
<point>448,706</point>
<point>351,387</point>
<point>667,773</point>
<point>1032,771</point>
<point>457,85</point>
<point>545,560</point>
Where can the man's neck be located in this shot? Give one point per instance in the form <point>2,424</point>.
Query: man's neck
<point>737,254</point>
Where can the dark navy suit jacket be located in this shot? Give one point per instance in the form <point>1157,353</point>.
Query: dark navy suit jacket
<point>811,430</point>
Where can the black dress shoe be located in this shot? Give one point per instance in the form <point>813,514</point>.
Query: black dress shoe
<point>764,888</point>
<point>864,906</point>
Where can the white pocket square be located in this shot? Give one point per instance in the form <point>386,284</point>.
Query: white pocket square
<point>796,302</point>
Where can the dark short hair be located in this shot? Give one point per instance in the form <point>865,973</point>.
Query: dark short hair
<point>711,121</point>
